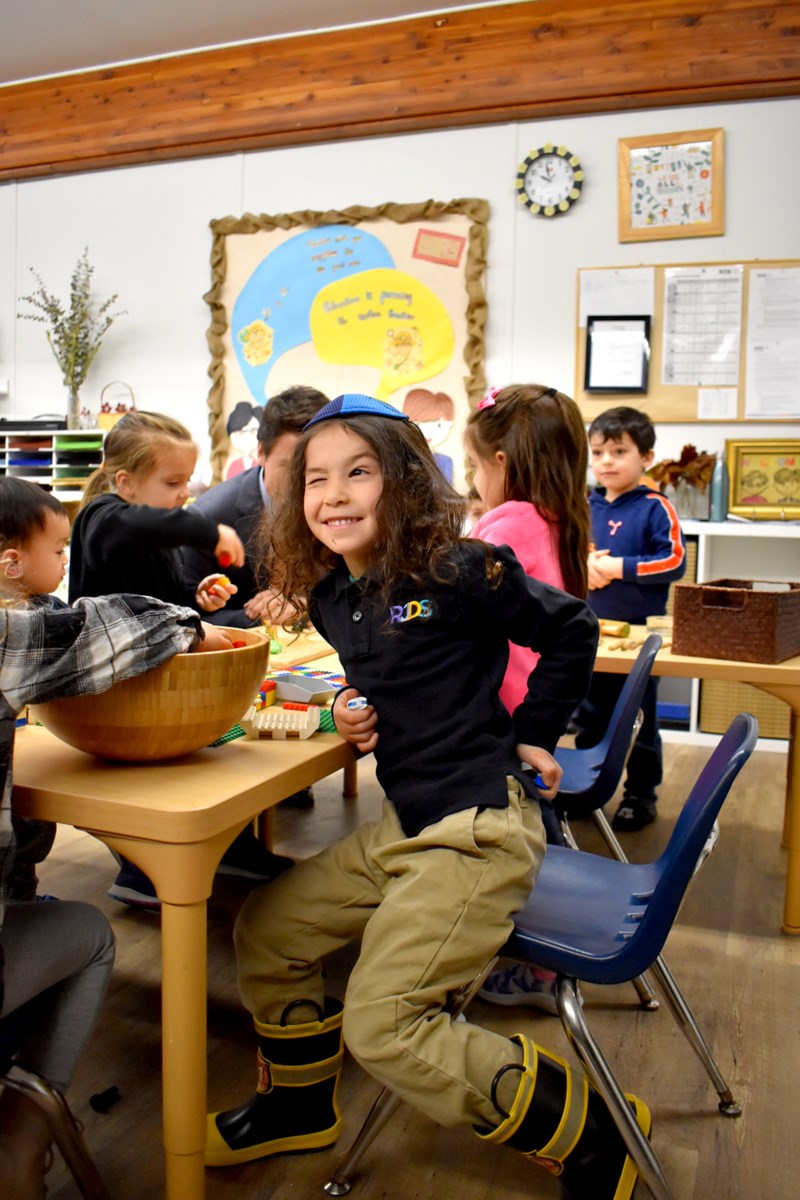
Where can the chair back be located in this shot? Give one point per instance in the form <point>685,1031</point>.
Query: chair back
<point>606,921</point>
<point>606,761</point>
<point>662,896</point>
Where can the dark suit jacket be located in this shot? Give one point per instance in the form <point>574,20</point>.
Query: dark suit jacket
<point>236,502</point>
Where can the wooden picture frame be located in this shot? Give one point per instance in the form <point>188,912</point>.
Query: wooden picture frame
<point>764,479</point>
<point>671,185</point>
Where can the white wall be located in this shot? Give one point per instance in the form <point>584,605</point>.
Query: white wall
<point>148,237</point>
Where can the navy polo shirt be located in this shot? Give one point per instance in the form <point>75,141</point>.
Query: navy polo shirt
<point>431,660</point>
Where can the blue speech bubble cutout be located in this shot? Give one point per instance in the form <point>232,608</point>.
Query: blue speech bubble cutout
<point>282,288</point>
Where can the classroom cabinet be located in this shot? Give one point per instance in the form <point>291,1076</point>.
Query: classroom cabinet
<point>60,460</point>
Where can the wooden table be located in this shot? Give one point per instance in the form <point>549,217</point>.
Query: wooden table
<point>778,679</point>
<point>175,820</point>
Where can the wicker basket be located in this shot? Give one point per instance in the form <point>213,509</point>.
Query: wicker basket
<point>732,618</point>
<point>185,704</point>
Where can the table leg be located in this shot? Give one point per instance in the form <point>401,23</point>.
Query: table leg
<point>350,786</point>
<point>791,837</point>
<point>183,1005</point>
<point>183,875</point>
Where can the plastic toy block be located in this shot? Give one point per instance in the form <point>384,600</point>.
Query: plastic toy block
<point>280,723</point>
<point>295,706</point>
<point>308,689</point>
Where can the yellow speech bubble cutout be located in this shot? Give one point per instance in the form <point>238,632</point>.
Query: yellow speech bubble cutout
<point>386,319</point>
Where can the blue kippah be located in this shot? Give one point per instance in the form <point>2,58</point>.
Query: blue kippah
<point>353,404</point>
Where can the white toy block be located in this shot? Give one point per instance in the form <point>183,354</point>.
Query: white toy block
<point>275,722</point>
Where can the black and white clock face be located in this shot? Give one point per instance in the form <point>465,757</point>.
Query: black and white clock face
<point>549,180</point>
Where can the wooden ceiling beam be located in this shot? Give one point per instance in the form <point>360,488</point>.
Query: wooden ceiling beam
<point>474,67</point>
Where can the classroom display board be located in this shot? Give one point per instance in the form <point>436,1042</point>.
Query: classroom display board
<point>690,341</point>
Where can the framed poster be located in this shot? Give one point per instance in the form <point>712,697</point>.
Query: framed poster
<point>617,354</point>
<point>388,301</point>
<point>671,185</point>
<point>764,479</point>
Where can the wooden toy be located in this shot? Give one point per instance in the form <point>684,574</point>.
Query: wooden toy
<point>298,722</point>
<point>614,629</point>
<point>185,704</point>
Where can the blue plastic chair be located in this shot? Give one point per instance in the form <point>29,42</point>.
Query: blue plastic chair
<point>603,921</point>
<point>592,774</point>
<point>599,920</point>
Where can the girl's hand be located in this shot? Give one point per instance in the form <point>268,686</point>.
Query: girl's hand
<point>271,607</point>
<point>544,765</point>
<point>229,549</point>
<point>215,639</point>
<point>356,726</point>
<point>214,592</point>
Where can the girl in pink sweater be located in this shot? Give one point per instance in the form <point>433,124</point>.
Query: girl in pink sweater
<point>527,445</point>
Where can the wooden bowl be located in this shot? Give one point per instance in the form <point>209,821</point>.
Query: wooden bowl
<point>181,706</point>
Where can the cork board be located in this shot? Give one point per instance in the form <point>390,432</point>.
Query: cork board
<point>704,320</point>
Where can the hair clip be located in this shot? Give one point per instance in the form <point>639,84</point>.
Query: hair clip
<point>490,399</point>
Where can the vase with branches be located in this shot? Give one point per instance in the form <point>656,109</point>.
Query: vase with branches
<point>75,331</point>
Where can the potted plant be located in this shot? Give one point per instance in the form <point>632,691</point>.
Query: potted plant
<point>75,332</point>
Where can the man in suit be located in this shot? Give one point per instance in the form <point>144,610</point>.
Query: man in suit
<point>240,502</point>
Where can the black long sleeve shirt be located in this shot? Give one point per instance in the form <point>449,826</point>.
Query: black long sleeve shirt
<point>118,547</point>
<point>432,662</point>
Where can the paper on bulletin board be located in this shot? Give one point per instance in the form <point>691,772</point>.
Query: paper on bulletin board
<point>702,326</point>
<point>773,344</point>
<point>717,404</point>
<point>616,292</point>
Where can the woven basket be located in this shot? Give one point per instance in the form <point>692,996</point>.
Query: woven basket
<point>186,703</point>
<point>730,618</point>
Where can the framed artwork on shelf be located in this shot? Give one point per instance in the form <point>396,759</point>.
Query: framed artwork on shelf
<point>671,185</point>
<point>765,479</point>
<point>617,354</point>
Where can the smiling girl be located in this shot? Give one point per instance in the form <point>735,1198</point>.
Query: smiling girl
<point>420,618</point>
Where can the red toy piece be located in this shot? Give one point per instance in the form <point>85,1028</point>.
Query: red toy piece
<point>224,560</point>
<point>294,705</point>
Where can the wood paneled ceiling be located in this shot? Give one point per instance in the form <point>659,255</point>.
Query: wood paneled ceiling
<point>507,62</point>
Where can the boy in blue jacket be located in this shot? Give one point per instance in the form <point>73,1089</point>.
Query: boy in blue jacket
<point>638,551</point>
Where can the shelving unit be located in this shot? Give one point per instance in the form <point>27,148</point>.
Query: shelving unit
<point>60,459</point>
<point>739,550</point>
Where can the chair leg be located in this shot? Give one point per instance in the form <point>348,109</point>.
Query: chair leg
<point>66,1132</point>
<point>603,1080</point>
<point>387,1103</point>
<point>685,1018</point>
<point>644,988</point>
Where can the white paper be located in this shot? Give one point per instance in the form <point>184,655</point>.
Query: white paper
<point>702,326</point>
<point>618,349</point>
<point>772,375</point>
<point>617,292</point>
<point>717,404</point>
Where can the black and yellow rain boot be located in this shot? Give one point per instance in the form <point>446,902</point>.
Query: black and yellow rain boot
<point>295,1105</point>
<point>562,1123</point>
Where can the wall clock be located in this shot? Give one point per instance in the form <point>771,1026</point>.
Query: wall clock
<point>549,180</point>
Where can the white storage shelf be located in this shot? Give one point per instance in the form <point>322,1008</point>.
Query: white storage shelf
<point>61,460</point>
<point>738,550</point>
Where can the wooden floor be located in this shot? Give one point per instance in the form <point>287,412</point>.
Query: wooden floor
<point>741,976</point>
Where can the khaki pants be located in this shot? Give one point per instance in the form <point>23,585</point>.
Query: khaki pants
<point>431,911</point>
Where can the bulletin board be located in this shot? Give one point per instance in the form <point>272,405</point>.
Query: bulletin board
<point>724,339</point>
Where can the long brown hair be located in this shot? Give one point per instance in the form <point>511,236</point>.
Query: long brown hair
<point>419,516</point>
<point>134,445</point>
<point>542,434</point>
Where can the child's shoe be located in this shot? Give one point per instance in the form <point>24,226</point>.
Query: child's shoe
<point>249,858</point>
<point>134,888</point>
<point>521,984</point>
<point>634,814</point>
